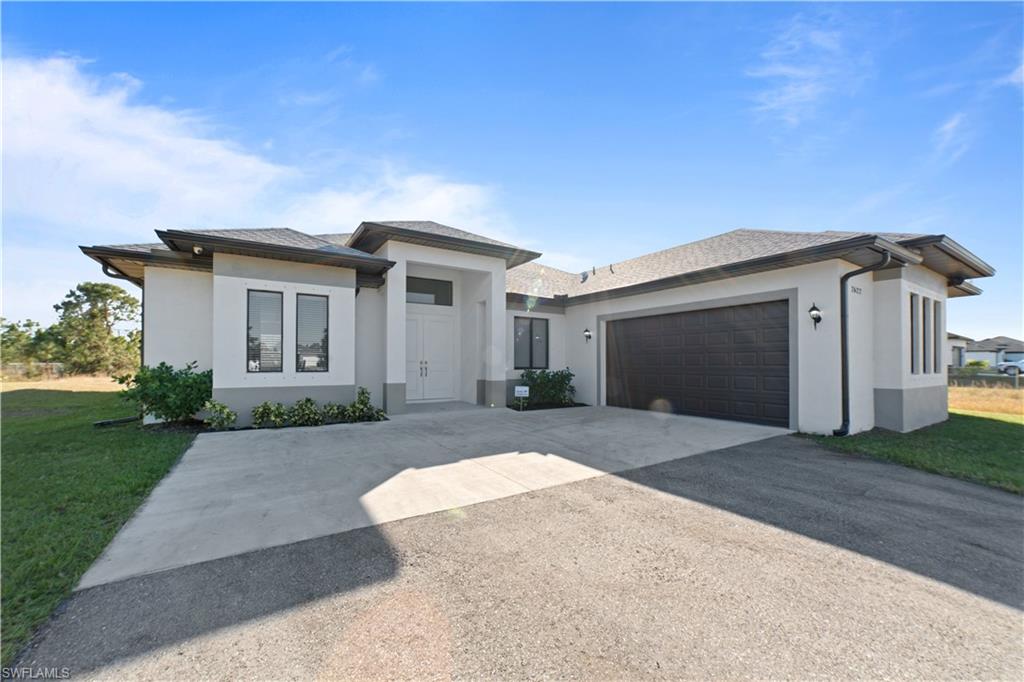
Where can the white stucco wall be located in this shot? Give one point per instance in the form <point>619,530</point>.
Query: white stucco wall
<point>178,317</point>
<point>818,407</point>
<point>892,320</point>
<point>234,275</point>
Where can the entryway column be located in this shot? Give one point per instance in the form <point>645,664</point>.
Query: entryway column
<point>494,360</point>
<point>394,339</point>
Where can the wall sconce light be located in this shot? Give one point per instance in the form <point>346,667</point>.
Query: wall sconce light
<point>587,335</point>
<point>197,250</point>
<point>815,314</point>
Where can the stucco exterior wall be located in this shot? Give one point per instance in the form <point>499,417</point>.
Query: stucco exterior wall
<point>369,336</point>
<point>233,276</point>
<point>177,317</point>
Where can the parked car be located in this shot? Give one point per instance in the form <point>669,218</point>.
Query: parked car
<point>1012,368</point>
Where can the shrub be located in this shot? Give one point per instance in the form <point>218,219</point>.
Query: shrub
<point>269,414</point>
<point>334,413</point>
<point>362,410</point>
<point>219,416</point>
<point>977,363</point>
<point>168,393</point>
<point>305,413</point>
<point>549,387</point>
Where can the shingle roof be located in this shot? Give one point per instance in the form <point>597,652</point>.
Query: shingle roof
<point>141,248</point>
<point>740,245</point>
<point>997,343</point>
<point>430,227</point>
<point>280,236</point>
<point>336,238</point>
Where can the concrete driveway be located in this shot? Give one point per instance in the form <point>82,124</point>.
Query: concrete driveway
<point>239,492</point>
<point>772,559</point>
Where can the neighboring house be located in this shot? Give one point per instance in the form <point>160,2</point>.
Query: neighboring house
<point>956,346</point>
<point>417,312</point>
<point>995,350</point>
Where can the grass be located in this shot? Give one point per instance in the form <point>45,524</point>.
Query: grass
<point>67,488</point>
<point>982,400</point>
<point>983,441</point>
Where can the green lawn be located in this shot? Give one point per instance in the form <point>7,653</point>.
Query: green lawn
<point>976,446</point>
<point>67,488</point>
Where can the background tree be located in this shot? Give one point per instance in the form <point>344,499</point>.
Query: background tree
<point>16,342</point>
<point>86,333</point>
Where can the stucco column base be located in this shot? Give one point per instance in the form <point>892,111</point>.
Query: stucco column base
<point>394,398</point>
<point>491,393</point>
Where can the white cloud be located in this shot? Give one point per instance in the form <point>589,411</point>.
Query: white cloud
<point>1016,77</point>
<point>85,162</point>
<point>807,62</point>
<point>952,138</point>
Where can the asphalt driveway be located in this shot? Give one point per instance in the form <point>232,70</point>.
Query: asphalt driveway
<point>770,559</point>
<point>243,491</point>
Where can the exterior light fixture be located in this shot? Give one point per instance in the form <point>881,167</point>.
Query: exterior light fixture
<point>815,314</point>
<point>587,335</point>
<point>197,250</point>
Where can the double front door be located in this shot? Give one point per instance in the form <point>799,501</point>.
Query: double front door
<point>429,357</point>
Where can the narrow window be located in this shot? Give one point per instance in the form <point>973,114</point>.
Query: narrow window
<point>310,333</point>
<point>531,343</point>
<point>263,344</point>
<point>428,291</point>
<point>926,336</point>
<point>915,334</point>
<point>938,336</point>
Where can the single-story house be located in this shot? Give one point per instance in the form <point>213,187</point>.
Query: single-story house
<point>995,350</point>
<point>817,331</point>
<point>956,346</point>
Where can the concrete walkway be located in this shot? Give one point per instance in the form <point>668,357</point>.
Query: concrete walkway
<point>238,492</point>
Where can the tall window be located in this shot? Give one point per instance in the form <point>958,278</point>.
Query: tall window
<point>263,342</point>
<point>915,333</point>
<point>938,336</point>
<point>926,335</point>
<point>428,291</point>
<point>310,333</point>
<point>531,343</point>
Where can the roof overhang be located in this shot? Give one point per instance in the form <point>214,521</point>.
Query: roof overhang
<point>946,257</point>
<point>862,250</point>
<point>129,264</point>
<point>369,269</point>
<point>371,236</point>
<point>956,290</point>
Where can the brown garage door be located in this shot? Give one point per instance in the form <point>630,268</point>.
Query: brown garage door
<point>731,363</point>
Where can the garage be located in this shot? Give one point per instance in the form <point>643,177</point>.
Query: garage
<point>729,362</point>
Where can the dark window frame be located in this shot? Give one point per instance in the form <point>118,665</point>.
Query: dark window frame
<point>327,330</point>
<point>248,306</point>
<point>451,291</point>
<point>547,342</point>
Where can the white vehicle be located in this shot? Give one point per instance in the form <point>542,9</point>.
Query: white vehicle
<point>1012,368</point>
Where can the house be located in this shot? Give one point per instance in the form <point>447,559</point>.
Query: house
<point>956,346</point>
<point>747,325</point>
<point>995,350</point>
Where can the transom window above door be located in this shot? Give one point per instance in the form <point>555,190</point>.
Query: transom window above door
<point>428,291</point>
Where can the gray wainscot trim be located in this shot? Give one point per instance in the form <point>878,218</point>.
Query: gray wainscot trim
<point>394,398</point>
<point>242,400</point>
<point>906,409</point>
<point>788,295</point>
<point>494,392</point>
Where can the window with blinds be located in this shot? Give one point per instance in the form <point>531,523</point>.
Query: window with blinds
<point>310,333</point>
<point>263,340</point>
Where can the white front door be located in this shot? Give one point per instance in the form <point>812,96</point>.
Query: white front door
<point>429,357</point>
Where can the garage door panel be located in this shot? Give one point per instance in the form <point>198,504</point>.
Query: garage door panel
<point>728,362</point>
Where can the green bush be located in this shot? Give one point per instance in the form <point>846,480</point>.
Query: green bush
<point>305,413</point>
<point>334,413</point>
<point>549,387</point>
<point>977,363</point>
<point>168,393</point>
<point>362,410</point>
<point>269,414</point>
<point>219,416</point>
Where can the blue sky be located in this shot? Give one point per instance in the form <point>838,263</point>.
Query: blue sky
<point>593,133</point>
